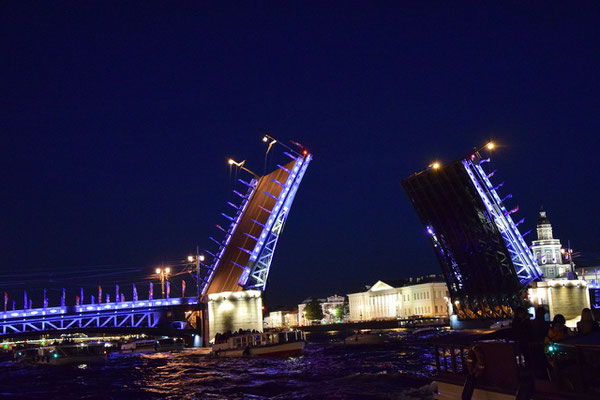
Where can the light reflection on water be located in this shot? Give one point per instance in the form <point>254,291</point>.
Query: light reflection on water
<point>395,371</point>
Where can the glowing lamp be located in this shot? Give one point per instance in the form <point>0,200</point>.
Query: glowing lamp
<point>305,152</point>
<point>201,258</point>
<point>490,146</point>
<point>435,165</point>
<point>55,355</point>
<point>168,270</point>
<point>231,161</point>
<point>191,258</point>
<point>265,139</point>
<point>158,270</point>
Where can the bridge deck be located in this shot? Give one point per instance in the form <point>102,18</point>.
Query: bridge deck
<point>229,272</point>
<point>127,314</point>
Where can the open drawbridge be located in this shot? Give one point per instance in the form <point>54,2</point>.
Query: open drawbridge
<point>244,256</point>
<point>485,261</point>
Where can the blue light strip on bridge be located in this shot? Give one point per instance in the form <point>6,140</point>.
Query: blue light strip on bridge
<point>525,264</point>
<point>229,234</point>
<point>268,236</point>
<point>282,199</point>
<point>51,311</point>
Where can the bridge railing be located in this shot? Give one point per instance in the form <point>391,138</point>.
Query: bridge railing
<point>125,305</point>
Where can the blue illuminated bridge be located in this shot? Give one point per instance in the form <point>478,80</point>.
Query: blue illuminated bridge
<point>146,316</point>
<point>241,261</point>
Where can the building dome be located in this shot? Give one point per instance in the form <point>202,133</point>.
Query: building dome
<point>543,220</point>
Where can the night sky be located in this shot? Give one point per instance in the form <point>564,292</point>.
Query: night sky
<point>117,121</point>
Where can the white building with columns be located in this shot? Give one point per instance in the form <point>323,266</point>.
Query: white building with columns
<point>547,250</point>
<point>383,301</point>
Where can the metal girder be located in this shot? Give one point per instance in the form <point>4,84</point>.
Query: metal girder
<point>260,272</point>
<point>133,314</point>
<point>123,319</point>
<point>262,254</point>
<point>524,263</point>
<point>228,234</point>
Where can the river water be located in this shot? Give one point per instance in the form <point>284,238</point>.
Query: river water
<point>401,370</point>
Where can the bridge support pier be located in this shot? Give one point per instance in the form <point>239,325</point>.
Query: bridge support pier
<point>231,311</point>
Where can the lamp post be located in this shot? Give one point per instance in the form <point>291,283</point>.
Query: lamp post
<point>164,276</point>
<point>240,165</point>
<point>198,259</point>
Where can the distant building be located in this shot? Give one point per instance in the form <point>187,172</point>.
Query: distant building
<point>302,321</point>
<point>276,319</point>
<point>548,251</point>
<point>589,273</point>
<point>291,318</point>
<point>553,259</point>
<point>281,319</point>
<point>561,296</point>
<point>383,301</point>
<point>560,292</point>
<point>328,306</point>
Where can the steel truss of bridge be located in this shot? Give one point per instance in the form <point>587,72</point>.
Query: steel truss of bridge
<point>128,314</point>
<point>242,262</point>
<point>244,256</point>
<point>485,261</point>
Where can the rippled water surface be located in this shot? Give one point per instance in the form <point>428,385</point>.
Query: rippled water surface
<point>398,371</point>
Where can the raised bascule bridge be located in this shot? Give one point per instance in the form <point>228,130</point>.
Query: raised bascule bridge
<point>485,261</point>
<point>238,267</point>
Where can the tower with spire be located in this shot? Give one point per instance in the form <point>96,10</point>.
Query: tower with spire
<point>547,250</point>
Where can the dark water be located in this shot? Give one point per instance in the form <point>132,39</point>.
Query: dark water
<point>398,371</point>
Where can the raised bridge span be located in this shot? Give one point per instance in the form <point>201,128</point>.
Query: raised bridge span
<point>241,262</point>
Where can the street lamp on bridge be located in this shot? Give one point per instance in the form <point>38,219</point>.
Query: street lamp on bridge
<point>164,276</point>
<point>240,165</point>
<point>198,259</point>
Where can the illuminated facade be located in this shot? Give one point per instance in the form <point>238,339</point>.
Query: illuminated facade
<point>547,250</point>
<point>281,319</point>
<point>302,321</point>
<point>561,296</point>
<point>328,306</point>
<point>232,311</point>
<point>383,301</point>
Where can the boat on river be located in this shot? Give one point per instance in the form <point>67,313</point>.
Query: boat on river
<point>270,344</point>
<point>72,354</point>
<point>139,346</point>
<point>169,344</point>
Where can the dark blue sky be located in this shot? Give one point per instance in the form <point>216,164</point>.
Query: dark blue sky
<point>117,120</point>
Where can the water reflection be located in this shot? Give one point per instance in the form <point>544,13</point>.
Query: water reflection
<point>395,371</point>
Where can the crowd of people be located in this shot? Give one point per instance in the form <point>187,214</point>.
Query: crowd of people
<point>535,340</point>
<point>223,337</point>
<point>538,330</point>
